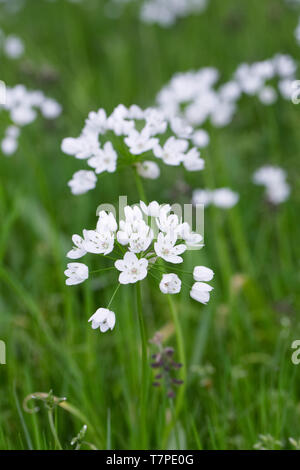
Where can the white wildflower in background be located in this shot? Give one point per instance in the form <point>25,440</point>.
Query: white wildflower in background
<point>223,198</point>
<point>23,105</point>
<point>195,98</point>
<point>13,46</point>
<point>166,12</point>
<point>273,178</point>
<point>133,137</point>
<point>146,234</point>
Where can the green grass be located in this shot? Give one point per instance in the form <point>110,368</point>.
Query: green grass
<point>244,333</point>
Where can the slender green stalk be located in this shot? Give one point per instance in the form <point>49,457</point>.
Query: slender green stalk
<point>181,351</point>
<point>145,365</point>
<point>140,186</point>
<point>53,429</point>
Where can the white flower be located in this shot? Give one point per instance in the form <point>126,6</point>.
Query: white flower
<point>192,160</point>
<point>166,249</point>
<point>106,222</point>
<point>98,242</point>
<point>50,109</point>
<point>201,292</point>
<point>201,273</point>
<point>224,198</point>
<point>202,197</point>
<point>132,269</point>
<point>267,95</point>
<point>170,284</point>
<point>104,160</point>
<point>82,147</point>
<point>274,180</point>
<point>154,209</point>
<point>22,114</point>
<point>9,145</point>
<point>96,122</point>
<point>82,181</point>
<point>168,223</point>
<point>200,138</point>
<point>13,47</point>
<point>140,240</point>
<point>103,319</point>
<point>192,239</point>
<point>76,273</point>
<point>78,249</point>
<point>172,153</point>
<point>148,169</point>
<point>140,142</point>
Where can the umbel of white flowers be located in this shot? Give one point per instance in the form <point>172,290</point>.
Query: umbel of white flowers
<point>131,136</point>
<point>22,106</point>
<point>146,234</point>
<point>194,97</point>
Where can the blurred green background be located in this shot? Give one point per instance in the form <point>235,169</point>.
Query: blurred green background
<point>240,379</point>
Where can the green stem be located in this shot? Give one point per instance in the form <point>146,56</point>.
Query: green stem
<point>53,429</point>
<point>181,351</point>
<point>145,364</point>
<point>140,186</point>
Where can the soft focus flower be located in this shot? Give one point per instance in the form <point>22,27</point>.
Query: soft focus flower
<point>104,160</point>
<point>82,181</point>
<point>224,198</point>
<point>148,169</point>
<point>23,106</point>
<point>76,273</point>
<point>13,47</point>
<point>273,178</point>
<point>103,319</point>
<point>170,284</point>
<point>166,12</point>
<point>193,98</point>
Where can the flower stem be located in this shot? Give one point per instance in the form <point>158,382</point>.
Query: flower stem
<point>145,365</point>
<point>53,429</point>
<point>140,186</point>
<point>181,351</point>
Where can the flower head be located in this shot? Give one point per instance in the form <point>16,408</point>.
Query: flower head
<point>143,235</point>
<point>139,134</point>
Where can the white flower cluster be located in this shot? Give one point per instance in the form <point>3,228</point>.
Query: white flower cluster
<point>193,96</point>
<point>166,12</point>
<point>146,234</point>
<point>22,105</point>
<point>224,198</point>
<point>273,178</point>
<point>145,133</point>
<point>12,46</point>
